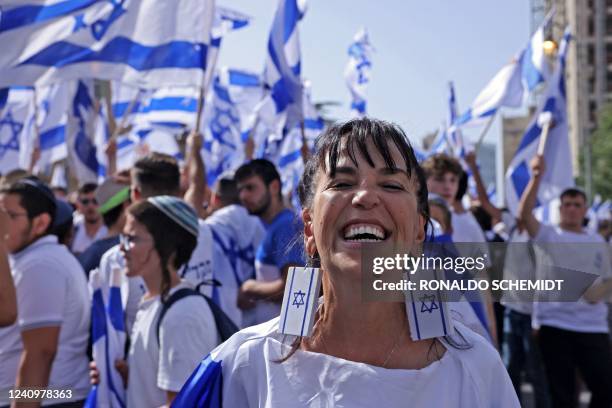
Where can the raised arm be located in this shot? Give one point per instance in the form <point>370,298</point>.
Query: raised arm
<point>483,197</point>
<point>530,196</point>
<point>195,172</point>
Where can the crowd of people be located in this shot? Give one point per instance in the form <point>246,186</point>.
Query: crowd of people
<point>188,254</point>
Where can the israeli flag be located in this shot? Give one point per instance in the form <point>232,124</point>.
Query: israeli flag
<point>558,174</point>
<point>174,108</point>
<point>454,135</point>
<point>358,71</point>
<point>85,141</point>
<point>222,149</point>
<point>281,109</point>
<point>53,104</point>
<point>228,121</point>
<point>108,341</point>
<point>148,43</point>
<point>15,149</point>
<point>512,83</point>
<point>313,122</point>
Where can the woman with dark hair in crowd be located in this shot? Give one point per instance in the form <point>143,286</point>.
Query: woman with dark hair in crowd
<point>363,184</point>
<point>159,236</point>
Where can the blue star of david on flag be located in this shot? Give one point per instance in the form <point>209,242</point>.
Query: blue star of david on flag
<point>14,130</point>
<point>298,299</point>
<point>428,303</point>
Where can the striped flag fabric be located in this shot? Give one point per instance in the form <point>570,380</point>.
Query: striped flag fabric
<point>148,43</point>
<point>108,341</point>
<point>281,109</point>
<point>558,174</point>
<point>358,71</point>
<point>512,83</point>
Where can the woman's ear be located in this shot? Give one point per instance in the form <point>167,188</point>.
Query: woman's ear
<point>309,239</point>
<point>420,229</point>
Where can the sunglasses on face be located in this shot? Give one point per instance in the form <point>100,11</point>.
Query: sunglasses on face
<point>87,201</point>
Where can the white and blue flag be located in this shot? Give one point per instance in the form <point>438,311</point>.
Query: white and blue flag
<point>108,340</point>
<point>358,71</point>
<point>223,148</point>
<point>52,106</point>
<point>512,83</point>
<point>558,174</point>
<point>454,135</point>
<point>17,112</point>
<point>148,43</point>
<point>86,136</point>
<point>281,109</point>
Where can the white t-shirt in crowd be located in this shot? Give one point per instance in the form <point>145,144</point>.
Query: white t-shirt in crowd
<point>253,376</point>
<point>187,334</point>
<point>578,316</point>
<point>51,292</point>
<point>81,240</point>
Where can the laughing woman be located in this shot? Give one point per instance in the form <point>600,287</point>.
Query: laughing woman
<point>363,174</point>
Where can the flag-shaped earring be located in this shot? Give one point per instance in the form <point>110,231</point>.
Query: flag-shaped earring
<point>300,301</point>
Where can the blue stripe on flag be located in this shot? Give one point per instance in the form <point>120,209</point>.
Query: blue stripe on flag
<point>292,16</point>
<point>520,178</point>
<point>29,14</point>
<point>52,137</point>
<point>289,158</point>
<point>287,306</point>
<point>175,54</point>
<point>171,103</point>
<point>307,301</point>
<point>243,79</point>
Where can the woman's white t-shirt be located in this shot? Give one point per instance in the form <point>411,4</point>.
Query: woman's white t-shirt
<point>187,333</point>
<point>251,375</point>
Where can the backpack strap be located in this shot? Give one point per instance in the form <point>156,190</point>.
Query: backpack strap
<point>175,297</point>
<point>224,325</point>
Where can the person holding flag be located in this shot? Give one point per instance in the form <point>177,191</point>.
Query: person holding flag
<point>572,335</point>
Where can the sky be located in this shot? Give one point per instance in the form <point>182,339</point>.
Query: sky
<point>420,45</point>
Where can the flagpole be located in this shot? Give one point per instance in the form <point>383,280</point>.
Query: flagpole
<point>208,78</point>
<point>485,130</point>
<point>35,155</point>
<point>547,120</point>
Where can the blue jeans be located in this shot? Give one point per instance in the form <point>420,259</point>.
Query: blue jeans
<point>523,354</point>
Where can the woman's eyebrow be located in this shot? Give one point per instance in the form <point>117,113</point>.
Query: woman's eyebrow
<point>392,171</point>
<point>351,171</point>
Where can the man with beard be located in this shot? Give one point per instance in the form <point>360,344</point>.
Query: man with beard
<point>90,227</point>
<point>259,187</point>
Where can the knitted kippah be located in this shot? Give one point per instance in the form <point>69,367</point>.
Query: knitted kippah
<point>179,211</point>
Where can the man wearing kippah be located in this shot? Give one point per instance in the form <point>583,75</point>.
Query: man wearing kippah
<point>113,199</point>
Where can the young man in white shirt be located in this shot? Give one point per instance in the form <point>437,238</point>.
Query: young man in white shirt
<point>89,228</point>
<point>47,346</point>
<point>572,335</point>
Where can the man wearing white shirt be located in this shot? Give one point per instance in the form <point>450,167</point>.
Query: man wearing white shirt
<point>572,335</point>
<point>47,345</point>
